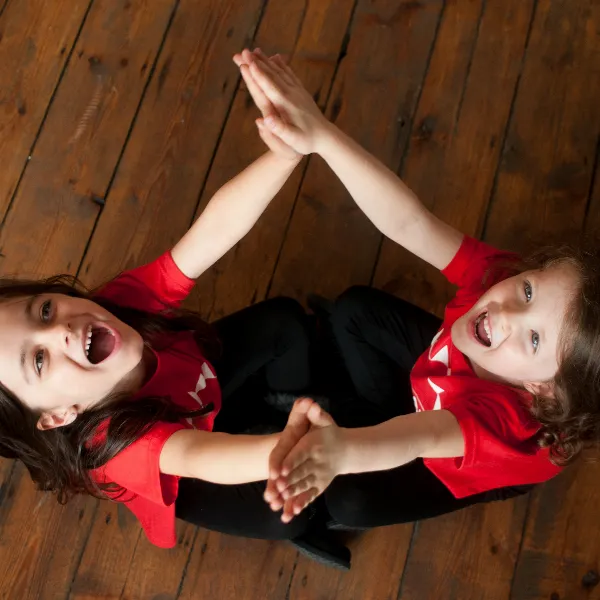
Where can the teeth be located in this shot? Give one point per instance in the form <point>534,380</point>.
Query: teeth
<point>88,342</point>
<point>486,326</point>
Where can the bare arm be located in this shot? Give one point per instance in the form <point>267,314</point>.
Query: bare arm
<point>392,207</point>
<point>384,198</point>
<point>217,457</point>
<point>299,474</point>
<point>428,434</point>
<point>231,213</point>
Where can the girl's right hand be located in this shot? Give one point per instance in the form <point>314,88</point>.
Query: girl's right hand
<point>306,459</point>
<point>300,123</point>
<point>266,107</point>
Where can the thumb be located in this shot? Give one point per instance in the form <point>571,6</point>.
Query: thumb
<point>285,131</point>
<point>297,426</point>
<point>318,417</point>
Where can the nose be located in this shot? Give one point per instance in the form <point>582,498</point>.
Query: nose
<point>510,318</point>
<point>58,336</point>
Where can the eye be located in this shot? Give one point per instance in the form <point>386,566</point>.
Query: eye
<point>38,361</point>
<point>535,340</point>
<point>46,311</point>
<point>528,291</point>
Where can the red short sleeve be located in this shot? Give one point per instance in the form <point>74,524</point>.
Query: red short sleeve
<point>154,287</point>
<point>501,449</point>
<point>137,467</point>
<point>493,429</point>
<point>473,262</point>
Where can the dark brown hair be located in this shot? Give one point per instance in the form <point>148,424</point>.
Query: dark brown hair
<point>570,418</point>
<point>59,460</point>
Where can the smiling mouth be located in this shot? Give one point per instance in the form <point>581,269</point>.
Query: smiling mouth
<point>482,330</point>
<point>99,344</point>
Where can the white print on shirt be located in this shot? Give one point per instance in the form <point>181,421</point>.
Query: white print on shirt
<point>441,356</point>
<point>205,374</point>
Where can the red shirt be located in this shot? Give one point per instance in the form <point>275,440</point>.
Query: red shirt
<point>184,376</point>
<point>500,434</point>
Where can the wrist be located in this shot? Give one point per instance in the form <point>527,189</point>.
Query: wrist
<point>286,161</point>
<point>326,139</point>
<point>346,451</point>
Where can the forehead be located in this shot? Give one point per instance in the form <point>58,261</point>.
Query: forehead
<point>556,283</point>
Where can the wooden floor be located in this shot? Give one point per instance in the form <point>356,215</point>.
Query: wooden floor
<point>118,121</point>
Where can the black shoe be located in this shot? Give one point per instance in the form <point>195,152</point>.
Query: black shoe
<point>322,547</point>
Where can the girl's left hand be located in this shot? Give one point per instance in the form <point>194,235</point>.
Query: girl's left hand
<point>266,107</point>
<point>307,469</point>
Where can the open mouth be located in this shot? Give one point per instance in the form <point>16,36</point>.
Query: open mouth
<point>99,344</point>
<point>482,329</point>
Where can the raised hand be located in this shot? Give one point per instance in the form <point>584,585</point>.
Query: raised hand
<point>297,120</point>
<point>266,107</point>
<point>305,460</point>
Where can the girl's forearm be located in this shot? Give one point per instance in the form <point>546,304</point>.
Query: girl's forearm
<point>234,459</point>
<point>379,192</point>
<point>384,198</point>
<point>432,434</point>
<point>231,213</point>
<point>217,457</point>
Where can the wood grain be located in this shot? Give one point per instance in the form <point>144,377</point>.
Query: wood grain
<point>36,38</point>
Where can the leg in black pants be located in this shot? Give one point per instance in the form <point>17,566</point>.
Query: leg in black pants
<point>265,348</point>
<point>380,337</point>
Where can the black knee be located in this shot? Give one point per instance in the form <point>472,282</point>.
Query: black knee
<point>289,318</point>
<point>348,503</point>
<point>351,305</point>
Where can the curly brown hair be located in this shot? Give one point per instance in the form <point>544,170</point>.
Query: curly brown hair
<point>570,418</point>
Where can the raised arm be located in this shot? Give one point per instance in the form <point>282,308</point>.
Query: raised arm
<point>236,207</point>
<point>231,213</point>
<point>392,207</point>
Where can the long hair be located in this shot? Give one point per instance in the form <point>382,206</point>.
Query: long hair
<point>60,460</point>
<point>570,417</point>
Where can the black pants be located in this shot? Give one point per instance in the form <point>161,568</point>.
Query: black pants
<point>265,349</point>
<point>380,337</point>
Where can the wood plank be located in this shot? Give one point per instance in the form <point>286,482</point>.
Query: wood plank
<point>77,151</point>
<point>548,160</point>
<point>120,562</point>
<point>227,567</point>
<point>40,540</point>
<point>242,276</point>
<point>560,557</point>
<point>592,220</point>
<point>378,559</point>
<point>72,157</point>
<point>386,60</point>
<point>167,158</point>
<point>451,163</point>
<point>551,174</point>
<point>36,38</point>
<point>166,161</point>
<point>465,555</point>
<point>158,573</point>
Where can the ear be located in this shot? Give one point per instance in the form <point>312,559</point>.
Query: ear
<point>51,420</point>
<point>544,389</point>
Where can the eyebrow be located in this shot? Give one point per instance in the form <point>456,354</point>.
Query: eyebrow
<point>29,315</point>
